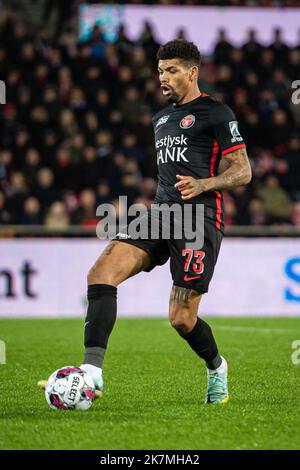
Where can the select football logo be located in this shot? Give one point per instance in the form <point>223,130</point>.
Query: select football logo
<point>187,121</point>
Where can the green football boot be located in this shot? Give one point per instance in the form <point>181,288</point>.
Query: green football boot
<point>217,386</point>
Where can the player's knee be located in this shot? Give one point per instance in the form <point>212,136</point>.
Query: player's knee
<point>181,322</point>
<point>99,275</point>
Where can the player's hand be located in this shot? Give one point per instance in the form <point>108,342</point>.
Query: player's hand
<point>190,187</point>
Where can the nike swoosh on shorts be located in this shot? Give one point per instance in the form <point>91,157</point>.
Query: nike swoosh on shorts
<point>190,278</point>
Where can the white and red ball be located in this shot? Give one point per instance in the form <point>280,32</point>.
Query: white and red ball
<point>70,388</point>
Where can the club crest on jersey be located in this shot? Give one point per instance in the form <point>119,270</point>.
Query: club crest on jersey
<point>187,121</point>
<point>162,120</point>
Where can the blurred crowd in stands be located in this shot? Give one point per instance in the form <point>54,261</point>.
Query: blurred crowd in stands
<point>76,128</point>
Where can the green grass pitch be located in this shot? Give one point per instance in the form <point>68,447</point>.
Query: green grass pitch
<point>154,387</point>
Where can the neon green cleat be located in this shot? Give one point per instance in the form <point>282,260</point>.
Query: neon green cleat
<point>217,387</point>
<point>99,387</point>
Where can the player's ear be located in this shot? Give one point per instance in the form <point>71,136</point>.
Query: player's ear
<point>193,73</point>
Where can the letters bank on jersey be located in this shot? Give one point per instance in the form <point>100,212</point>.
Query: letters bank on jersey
<point>173,148</point>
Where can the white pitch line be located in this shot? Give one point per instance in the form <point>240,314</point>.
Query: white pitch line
<point>248,329</point>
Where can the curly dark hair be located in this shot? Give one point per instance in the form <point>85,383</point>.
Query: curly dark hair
<point>180,49</point>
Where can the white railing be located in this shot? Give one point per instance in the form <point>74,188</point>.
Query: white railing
<point>8,231</point>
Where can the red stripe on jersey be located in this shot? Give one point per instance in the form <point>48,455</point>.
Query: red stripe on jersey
<point>219,210</point>
<point>213,159</point>
<point>232,149</point>
<point>203,95</point>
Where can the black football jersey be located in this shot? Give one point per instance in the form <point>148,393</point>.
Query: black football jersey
<point>190,139</point>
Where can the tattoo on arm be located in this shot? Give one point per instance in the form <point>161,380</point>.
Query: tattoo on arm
<point>238,173</point>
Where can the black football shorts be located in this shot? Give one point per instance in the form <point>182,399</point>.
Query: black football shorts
<point>190,268</point>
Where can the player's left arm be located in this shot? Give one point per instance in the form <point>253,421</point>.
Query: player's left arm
<point>238,173</point>
<point>224,127</point>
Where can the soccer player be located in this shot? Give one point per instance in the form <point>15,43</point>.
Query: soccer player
<point>192,134</point>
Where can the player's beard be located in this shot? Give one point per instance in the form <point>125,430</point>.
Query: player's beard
<point>173,98</point>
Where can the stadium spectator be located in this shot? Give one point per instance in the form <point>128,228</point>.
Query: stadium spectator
<point>257,213</point>
<point>45,190</point>
<point>223,48</point>
<point>276,201</point>
<point>64,170</point>
<point>241,197</point>
<point>252,49</point>
<point>57,216</point>
<point>279,48</point>
<point>296,214</point>
<point>89,169</point>
<point>32,212</point>
<point>290,179</point>
<point>31,166</point>
<point>148,43</point>
<point>17,192</point>
<point>103,193</point>
<point>62,11</point>
<point>5,216</point>
<point>85,214</point>
<point>230,210</point>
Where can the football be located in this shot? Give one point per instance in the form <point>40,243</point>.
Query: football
<point>70,388</point>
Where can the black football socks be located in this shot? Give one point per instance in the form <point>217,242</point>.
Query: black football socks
<point>101,317</point>
<point>202,341</point>
<point>99,322</point>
